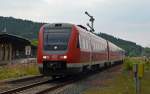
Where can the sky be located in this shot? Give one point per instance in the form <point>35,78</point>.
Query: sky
<point>125,19</point>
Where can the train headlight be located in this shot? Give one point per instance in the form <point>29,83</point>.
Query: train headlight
<point>45,57</point>
<point>65,57</point>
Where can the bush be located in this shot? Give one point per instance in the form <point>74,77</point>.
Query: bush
<point>18,70</point>
<point>128,64</point>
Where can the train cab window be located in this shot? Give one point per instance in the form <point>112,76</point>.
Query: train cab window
<point>56,39</point>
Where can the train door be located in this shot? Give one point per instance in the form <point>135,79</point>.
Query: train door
<point>91,51</point>
<point>108,52</point>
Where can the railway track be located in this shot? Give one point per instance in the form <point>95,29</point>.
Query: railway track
<point>15,90</point>
<point>45,86</point>
<point>39,87</point>
<point>21,79</point>
<point>17,84</point>
<point>56,86</point>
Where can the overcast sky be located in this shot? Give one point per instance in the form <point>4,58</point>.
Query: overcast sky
<point>126,19</point>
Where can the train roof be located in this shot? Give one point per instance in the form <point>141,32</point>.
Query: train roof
<point>85,31</point>
<point>112,45</point>
<point>57,25</point>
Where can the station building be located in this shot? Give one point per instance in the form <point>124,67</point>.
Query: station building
<point>14,47</point>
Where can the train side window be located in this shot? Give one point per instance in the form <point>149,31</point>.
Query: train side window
<point>88,45</point>
<point>84,43</point>
<point>80,41</point>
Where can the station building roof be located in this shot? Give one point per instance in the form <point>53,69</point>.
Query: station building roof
<point>14,39</point>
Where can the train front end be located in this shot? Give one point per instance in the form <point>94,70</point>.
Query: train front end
<point>53,48</point>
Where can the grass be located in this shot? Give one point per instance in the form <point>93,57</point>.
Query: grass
<point>18,70</point>
<point>123,83</point>
<point>118,85</point>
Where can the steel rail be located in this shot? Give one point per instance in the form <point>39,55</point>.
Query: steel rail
<point>12,91</point>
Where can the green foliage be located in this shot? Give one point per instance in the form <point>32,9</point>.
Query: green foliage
<point>147,52</point>
<point>24,28</point>
<point>128,64</point>
<point>34,42</point>
<point>131,48</point>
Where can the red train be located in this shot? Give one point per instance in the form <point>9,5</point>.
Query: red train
<point>67,49</point>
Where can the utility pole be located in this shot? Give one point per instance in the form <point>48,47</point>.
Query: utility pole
<point>92,22</point>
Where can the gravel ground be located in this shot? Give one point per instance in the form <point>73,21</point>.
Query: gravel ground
<point>99,80</point>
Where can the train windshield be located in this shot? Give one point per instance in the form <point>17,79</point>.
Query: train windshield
<point>56,39</point>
